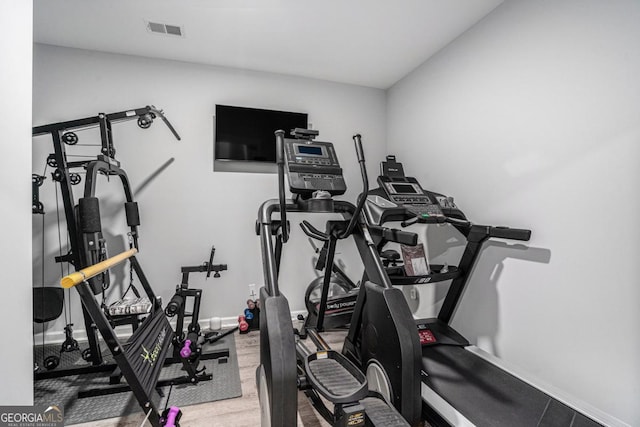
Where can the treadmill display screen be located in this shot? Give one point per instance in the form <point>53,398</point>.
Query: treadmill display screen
<point>404,188</point>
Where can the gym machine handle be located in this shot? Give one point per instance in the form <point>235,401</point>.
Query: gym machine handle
<point>394,235</point>
<point>280,161</point>
<point>160,113</point>
<point>313,232</point>
<point>86,273</point>
<point>500,232</point>
<point>510,233</point>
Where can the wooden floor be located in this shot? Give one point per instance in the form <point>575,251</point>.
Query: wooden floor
<point>239,412</point>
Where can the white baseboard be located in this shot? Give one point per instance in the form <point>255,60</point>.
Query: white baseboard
<point>124,332</point>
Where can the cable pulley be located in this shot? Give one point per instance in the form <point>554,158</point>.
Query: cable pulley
<point>51,161</point>
<point>57,175</point>
<point>86,354</point>
<point>70,138</point>
<point>75,178</point>
<point>51,362</point>
<point>37,179</point>
<point>146,120</point>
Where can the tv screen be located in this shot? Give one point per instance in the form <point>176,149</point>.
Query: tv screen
<point>247,134</point>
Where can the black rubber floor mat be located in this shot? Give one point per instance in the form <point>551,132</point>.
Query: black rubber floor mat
<point>63,391</point>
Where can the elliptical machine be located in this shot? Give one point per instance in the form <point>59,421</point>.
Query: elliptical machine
<point>378,381</point>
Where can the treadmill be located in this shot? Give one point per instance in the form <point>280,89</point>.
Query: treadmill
<point>461,384</point>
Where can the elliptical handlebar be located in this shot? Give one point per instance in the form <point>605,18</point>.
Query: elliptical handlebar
<point>313,232</point>
<point>357,139</point>
<point>281,197</point>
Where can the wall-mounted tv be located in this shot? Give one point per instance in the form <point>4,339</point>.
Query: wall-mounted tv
<point>247,134</point>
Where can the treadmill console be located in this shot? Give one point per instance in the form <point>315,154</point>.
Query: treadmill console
<point>401,198</point>
<point>312,166</point>
<point>408,193</point>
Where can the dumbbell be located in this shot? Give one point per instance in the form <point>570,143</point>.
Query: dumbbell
<point>243,325</point>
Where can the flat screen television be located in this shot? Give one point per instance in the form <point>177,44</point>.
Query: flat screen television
<point>247,134</point>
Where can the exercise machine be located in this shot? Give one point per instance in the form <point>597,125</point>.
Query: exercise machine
<point>341,298</point>
<point>378,383</point>
<point>461,384</point>
<point>141,358</point>
<point>87,248</point>
<point>190,344</point>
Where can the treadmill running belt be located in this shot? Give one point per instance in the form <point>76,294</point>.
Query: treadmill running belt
<point>488,396</point>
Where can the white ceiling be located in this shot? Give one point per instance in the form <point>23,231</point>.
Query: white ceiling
<point>365,42</point>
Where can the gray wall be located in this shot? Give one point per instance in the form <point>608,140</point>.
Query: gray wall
<point>15,246</point>
<point>531,119</point>
<point>187,207</point>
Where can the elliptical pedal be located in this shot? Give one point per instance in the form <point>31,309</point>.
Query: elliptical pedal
<point>379,413</point>
<point>335,377</point>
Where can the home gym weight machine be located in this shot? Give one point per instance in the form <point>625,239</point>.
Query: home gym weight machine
<point>461,384</point>
<point>389,359</point>
<point>141,358</point>
<point>65,134</point>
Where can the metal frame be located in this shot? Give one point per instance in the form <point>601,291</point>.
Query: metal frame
<point>79,256</point>
<point>185,292</point>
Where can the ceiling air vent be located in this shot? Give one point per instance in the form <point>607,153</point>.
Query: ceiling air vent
<point>159,28</point>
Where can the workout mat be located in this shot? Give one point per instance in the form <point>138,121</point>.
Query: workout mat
<point>224,385</point>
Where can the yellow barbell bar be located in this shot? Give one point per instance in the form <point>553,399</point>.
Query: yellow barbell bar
<point>87,273</point>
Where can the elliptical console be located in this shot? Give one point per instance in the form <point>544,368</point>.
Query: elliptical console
<point>312,165</point>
